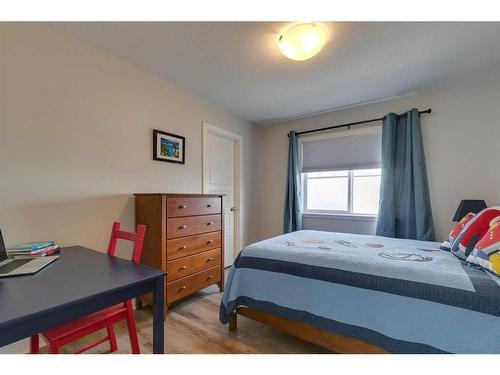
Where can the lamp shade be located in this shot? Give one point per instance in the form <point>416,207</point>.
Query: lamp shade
<point>469,205</point>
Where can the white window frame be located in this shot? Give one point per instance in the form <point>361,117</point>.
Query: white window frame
<point>335,213</point>
<point>349,212</point>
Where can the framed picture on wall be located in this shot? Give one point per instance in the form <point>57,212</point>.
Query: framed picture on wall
<point>168,147</point>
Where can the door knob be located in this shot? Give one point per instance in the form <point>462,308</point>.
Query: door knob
<point>233,209</point>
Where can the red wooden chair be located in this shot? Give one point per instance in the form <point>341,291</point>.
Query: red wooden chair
<point>72,331</point>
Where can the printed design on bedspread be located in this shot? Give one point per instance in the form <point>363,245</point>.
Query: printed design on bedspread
<point>345,243</point>
<point>428,250</point>
<point>307,240</point>
<point>309,243</point>
<point>375,245</point>
<point>323,245</point>
<point>408,257</point>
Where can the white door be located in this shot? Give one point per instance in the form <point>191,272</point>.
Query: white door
<point>219,165</point>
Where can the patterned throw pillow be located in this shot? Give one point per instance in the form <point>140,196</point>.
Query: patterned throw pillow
<point>446,245</point>
<point>473,231</point>
<point>486,253</point>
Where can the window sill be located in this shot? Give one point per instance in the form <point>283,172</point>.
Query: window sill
<point>334,216</point>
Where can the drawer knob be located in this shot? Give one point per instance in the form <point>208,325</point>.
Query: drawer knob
<point>183,247</point>
<point>183,287</point>
<point>210,277</point>
<point>183,227</point>
<point>183,206</point>
<point>210,259</point>
<point>210,242</point>
<point>210,223</point>
<point>209,206</point>
<point>183,268</point>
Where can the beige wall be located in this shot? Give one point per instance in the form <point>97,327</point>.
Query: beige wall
<point>76,136</point>
<point>461,141</point>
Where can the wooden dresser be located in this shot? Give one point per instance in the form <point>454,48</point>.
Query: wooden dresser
<point>185,237</point>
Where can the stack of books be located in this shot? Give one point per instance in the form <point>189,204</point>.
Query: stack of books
<point>34,249</point>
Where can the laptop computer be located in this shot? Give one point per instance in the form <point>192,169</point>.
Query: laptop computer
<point>21,265</point>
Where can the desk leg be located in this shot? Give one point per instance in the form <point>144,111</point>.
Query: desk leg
<point>158,315</point>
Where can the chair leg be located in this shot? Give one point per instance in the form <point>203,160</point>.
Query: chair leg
<point>54,348</point>
<point>233,322</point>
<point>34,344</point>
<point>132,330</point>
<point>113,347</point>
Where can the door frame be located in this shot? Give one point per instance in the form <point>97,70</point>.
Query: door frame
<point>238,168</point>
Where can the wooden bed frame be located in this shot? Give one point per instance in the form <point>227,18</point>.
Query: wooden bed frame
<point>331,341</point>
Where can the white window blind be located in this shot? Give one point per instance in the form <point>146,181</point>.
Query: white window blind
<point>345,152</point>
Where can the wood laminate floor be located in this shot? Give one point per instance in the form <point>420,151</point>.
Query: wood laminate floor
<point>193,327</point>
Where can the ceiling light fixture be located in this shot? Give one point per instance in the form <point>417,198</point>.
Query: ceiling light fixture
<point>302,41</point>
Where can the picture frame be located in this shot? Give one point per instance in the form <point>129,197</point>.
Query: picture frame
<point>169,147</point>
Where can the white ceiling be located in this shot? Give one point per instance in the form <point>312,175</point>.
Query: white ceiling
<point>238,65</point>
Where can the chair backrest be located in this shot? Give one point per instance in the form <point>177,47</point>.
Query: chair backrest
<point>137,238</point>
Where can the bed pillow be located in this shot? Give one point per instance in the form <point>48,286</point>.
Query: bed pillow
<point>486,253</point>
<point>473,231</point>
<point>446,245</point>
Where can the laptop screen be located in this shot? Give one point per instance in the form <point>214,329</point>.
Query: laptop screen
<point>3,252</point>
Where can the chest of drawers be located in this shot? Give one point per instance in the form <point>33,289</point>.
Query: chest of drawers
<point>184,237</point>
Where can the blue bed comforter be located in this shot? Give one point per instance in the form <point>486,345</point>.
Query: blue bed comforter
<point>405,296</point>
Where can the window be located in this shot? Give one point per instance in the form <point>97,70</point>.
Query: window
<point>341,172</point>
<point>347,192</point>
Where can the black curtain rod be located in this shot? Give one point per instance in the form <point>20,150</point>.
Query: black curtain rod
<point>348,125</point>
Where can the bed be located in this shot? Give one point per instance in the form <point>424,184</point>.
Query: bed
<point>365,294</point>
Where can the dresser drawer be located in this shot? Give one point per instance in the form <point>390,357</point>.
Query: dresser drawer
<point>191,264</point>
<point>178,206</point>
<point>180,247</point>
<point>187,226</point>
<point>190,284</point>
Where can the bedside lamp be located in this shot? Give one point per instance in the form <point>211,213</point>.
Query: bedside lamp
<point>468,205</point>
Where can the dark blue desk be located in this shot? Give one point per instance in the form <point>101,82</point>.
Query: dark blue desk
<point>80,282</point>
